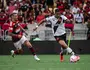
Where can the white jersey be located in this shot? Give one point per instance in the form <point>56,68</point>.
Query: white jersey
<point>78,17</point>
<point>60,29</point>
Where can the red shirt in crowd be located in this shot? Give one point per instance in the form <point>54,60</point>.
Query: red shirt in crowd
<point>3,18</point>
<point>69,16</point>
<point>77,2</point>
<point>39,18</point>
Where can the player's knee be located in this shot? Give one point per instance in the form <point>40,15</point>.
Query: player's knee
<point>28,44</point>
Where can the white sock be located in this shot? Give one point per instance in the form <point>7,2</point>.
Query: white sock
<point>69,50</point>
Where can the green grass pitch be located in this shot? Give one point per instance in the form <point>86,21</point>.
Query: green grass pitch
<point>47,62</point>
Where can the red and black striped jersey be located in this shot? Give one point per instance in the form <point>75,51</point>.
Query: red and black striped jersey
<point>15,29</point>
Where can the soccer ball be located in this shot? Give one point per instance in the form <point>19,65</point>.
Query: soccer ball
<point>74,58</point>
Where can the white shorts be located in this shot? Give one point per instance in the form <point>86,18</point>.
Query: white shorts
<point>18,44</point>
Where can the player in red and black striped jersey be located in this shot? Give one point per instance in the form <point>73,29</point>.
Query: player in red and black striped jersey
<point>16,32</point>
<point>15,29</point>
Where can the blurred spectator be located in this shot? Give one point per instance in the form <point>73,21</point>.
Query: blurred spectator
<point>43,3</point>
<point>77,2</point>
<point>1,6</point>
<point>75,8</point>
<point>66,4</point>
<point>87,11</point>
<point>24,7</point>
<point>70,23</point>
<point>24,11</point>
<point>47,11</point>
<point>34,1</point>
<point>79,18</point>
<point>3,17</point>
<point>40,17</point>
<point>49,2</point>
<point>30,5</point>
<point>81,7</point>
<point>69,15</point>
<point>71,2</point>
<point>60,5</point>
<point>36,10</point>
<point>11,7</point>
<point>30,18</point>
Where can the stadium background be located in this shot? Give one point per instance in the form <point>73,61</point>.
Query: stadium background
<point>47,48</point>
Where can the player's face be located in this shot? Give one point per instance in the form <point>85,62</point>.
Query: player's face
<point>59,19</point>
<point>15,17</point>
<point>57,14</point>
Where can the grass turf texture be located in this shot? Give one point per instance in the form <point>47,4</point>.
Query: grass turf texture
<point>48,62</point>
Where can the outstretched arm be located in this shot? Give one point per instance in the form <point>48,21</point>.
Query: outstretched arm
<point>41,22</point>
<point>23,29</point>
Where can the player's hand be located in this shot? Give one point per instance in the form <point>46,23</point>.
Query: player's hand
<point>19,36</point>
<point>35,28</point>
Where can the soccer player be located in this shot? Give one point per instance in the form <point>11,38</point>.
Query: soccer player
<point>16,32</point>
<point>57,22</point>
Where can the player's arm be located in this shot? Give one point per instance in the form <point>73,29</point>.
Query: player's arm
<point>22,29</point>
<point>12,34</point>
<point>41,22</point>
<point>65,18</point>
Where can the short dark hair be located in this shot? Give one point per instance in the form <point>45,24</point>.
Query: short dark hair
<point>57,10</point>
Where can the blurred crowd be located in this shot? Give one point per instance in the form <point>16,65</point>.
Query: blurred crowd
<point>78,11</point>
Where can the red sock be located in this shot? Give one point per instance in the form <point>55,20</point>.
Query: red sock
<point>16,52</point>
<point>32,50</point>
<point>61,56</point>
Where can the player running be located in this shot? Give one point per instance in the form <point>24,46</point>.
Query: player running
<point>57,22</point>
<point>16,32</point>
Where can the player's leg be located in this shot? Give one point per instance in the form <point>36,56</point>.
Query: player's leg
<point>65,46</point>
<point>18,50</point>
<point>28,44</point>
<point>62,41</point>
<point>13,52</point>
<point>61,54</point>
<point>58,39</point>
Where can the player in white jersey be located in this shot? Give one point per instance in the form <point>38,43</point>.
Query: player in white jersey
<point>57,22</point>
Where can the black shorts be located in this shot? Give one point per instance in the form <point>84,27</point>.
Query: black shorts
<point>62,37</point>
